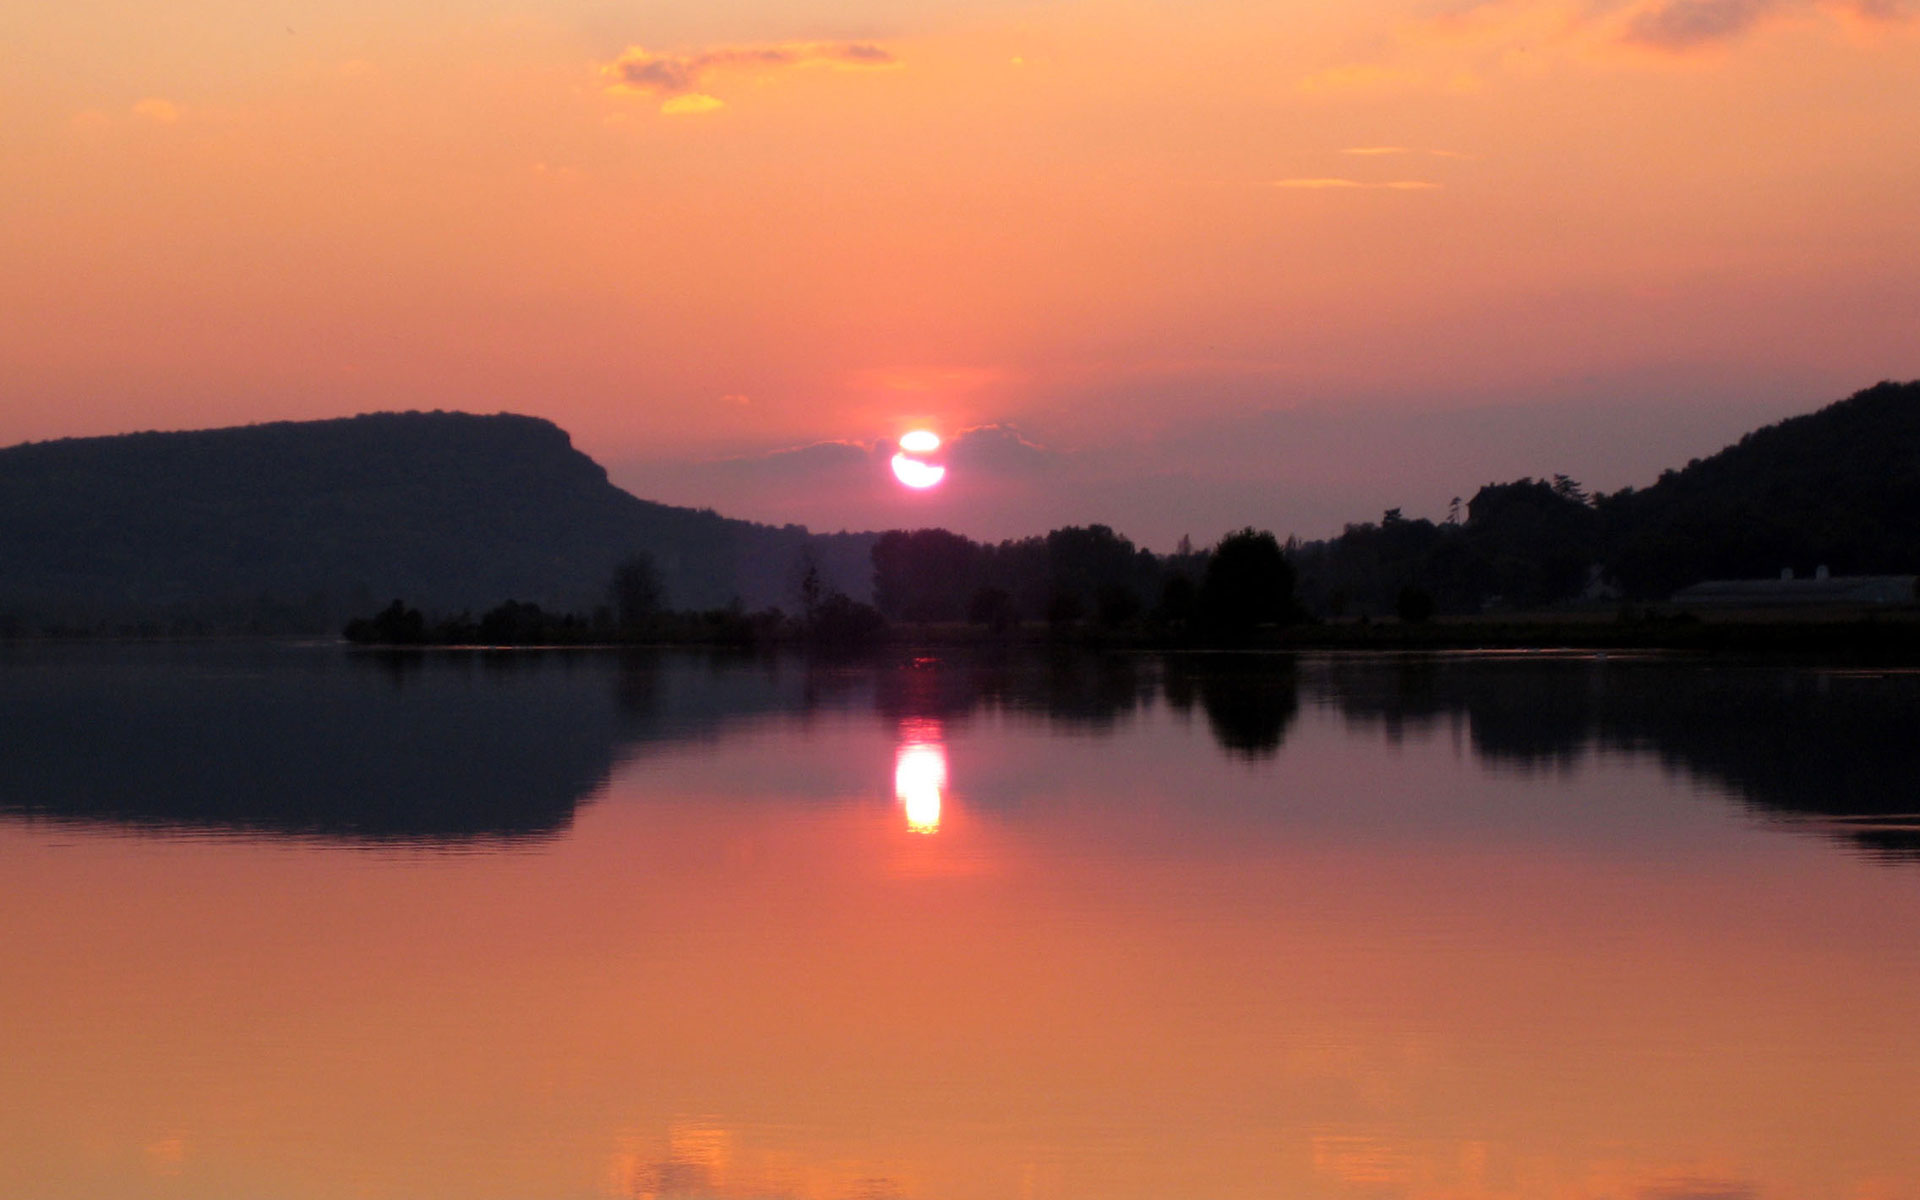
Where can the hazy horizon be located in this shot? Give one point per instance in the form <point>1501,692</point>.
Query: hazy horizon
<point>1004,484</point>
<point>1009,483</point>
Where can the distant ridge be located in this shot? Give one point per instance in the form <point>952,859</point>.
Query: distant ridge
<point>1838,488</point>
<point>296,525</point>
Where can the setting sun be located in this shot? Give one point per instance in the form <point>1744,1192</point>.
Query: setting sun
<point>912,469</point>
<point>916,474</point>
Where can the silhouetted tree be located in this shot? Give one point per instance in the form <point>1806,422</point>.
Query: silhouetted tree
<point>925,575</point>
<point>1248,583</point>
<point>1116,604</point>
<point>1179,601</point>
<point>992,607</point>
<point>1414,604</point>
<point>517,624</point>
<point>812,587</point>
<point>1092,560</point>
<point>395,625</point>
<point>841,621</point>
<point>635,592</point>
<point>1535,539</point>
<point>1065,608</point>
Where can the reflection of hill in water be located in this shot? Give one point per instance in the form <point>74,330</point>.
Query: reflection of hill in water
<point>432,747</point>
<point>310,741</point>
<point>1835,748</point>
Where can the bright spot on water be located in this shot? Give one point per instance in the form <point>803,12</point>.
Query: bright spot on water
<point>919,776</point>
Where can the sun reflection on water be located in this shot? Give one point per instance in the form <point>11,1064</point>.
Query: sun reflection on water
<point>920,775</point>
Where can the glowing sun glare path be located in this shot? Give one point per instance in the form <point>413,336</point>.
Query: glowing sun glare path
<point>916,474</point>
<point>919,776</point>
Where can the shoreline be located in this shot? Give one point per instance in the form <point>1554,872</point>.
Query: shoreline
<point>1878,634</point>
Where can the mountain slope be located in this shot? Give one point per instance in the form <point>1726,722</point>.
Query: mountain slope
<point>1839,487</point>
<point>298,524</point>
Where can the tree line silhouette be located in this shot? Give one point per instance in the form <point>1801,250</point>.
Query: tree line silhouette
<point>1085,575</point>
<point>1073,578</point>
<point>634,613</point>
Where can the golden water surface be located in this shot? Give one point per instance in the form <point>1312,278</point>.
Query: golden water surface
<point>874,951</point>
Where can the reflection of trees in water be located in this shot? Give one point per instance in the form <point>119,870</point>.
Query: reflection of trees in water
<point>1083,691</point>
<point>1250,700</point>
<point>1793,742</point>
<point>1094,692</point>
<point>451,747</point>
<point>637,683</point>
<point>1398,700</point>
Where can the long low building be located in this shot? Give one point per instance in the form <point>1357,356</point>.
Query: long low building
<point>1822,590</point>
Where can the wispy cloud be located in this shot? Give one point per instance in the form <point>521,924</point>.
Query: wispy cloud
<point>798,461</point>
<point>1330,184</point>
<point>678,80</point>
<point>1683,25</point>
<point>1469,45</point>
<point>691,102</point>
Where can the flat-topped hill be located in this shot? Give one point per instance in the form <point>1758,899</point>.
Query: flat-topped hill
<point>296,525</point>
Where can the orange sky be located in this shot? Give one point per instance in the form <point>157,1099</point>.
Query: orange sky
<point>1144,234</point>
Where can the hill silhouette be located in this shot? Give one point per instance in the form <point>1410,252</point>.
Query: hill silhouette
<point>1838,488</point>
<point>297,525</point>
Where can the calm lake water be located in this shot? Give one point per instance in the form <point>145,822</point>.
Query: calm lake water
<point>290,921</point>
